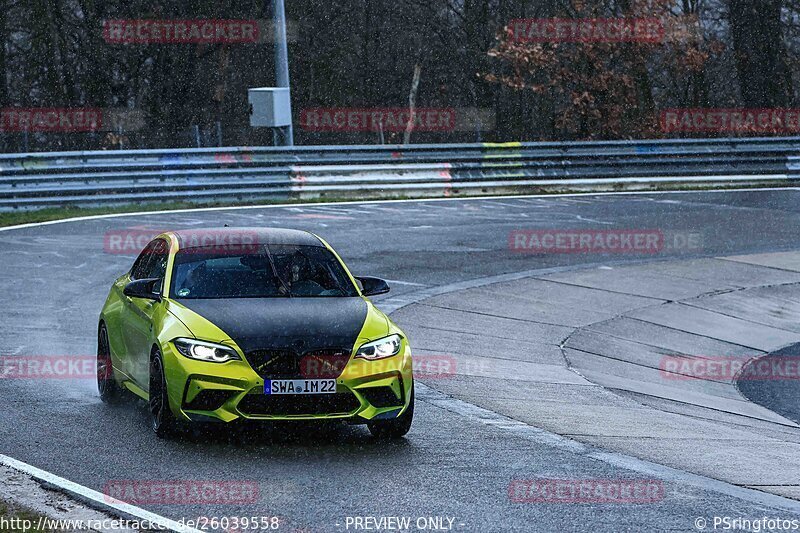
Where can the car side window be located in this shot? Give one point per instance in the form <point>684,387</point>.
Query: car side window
<point>140,265</point>
<point>152,263</point>
<point>157,266</point>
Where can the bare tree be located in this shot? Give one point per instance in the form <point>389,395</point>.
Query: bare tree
<point>757,34</point>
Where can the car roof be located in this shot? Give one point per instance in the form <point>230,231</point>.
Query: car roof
<point>195,238</point>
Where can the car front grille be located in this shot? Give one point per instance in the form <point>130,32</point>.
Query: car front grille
<point>290,364</point>
<point>275,364</point>
<point>340,403</point>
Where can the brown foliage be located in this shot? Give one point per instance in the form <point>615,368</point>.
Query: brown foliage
<point>601,89</point>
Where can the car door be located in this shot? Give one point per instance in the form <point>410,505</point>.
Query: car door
<point>120,330</point>
<point>138,320</point>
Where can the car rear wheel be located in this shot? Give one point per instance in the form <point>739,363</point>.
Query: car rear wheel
<point>161,417</point>
<point>396,427</point>
<point>106,384</point>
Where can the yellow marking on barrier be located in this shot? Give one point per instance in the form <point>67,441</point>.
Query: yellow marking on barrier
<point>515,144</point>
<point>504,150</point>
<point>509,164</point>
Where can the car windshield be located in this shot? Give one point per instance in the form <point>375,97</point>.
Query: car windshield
<point>274,271</point>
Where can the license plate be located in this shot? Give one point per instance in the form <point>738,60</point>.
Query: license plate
<point>299,386</point>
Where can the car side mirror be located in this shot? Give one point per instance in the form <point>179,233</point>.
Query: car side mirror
<point>149,289</point>
<point>373,286</point>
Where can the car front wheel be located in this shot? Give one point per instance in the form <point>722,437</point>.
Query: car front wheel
<point>161,417</point>
<point>106,384</point>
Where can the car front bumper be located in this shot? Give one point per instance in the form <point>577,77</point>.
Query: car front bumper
<point>211,392</point>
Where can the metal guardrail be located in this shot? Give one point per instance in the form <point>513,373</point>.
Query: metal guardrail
<point>37,180</point>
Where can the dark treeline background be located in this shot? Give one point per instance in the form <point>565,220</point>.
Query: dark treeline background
<point>362,53</point>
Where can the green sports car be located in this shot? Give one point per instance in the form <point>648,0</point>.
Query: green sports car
<point>259,324</point>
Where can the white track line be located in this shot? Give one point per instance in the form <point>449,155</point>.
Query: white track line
<point>398,282</point>
<point>94,498</point>
<point>377,202</point>
<point>620,460</point>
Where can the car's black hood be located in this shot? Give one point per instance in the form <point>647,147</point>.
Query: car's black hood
<point>302,324</point>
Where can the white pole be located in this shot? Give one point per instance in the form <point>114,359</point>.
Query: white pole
<point>282,61</point>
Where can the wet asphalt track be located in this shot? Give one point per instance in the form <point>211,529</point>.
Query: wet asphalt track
<point>780,395</point>
<point>56,277</point>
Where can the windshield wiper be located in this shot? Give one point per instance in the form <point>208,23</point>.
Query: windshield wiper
<point>286,290</point>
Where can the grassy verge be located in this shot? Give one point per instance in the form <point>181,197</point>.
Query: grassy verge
<point>15,520</point>
<point>14,218</point>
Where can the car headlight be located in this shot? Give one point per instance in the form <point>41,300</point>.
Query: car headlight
<point>380,349</point>
<point>205,351</point>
